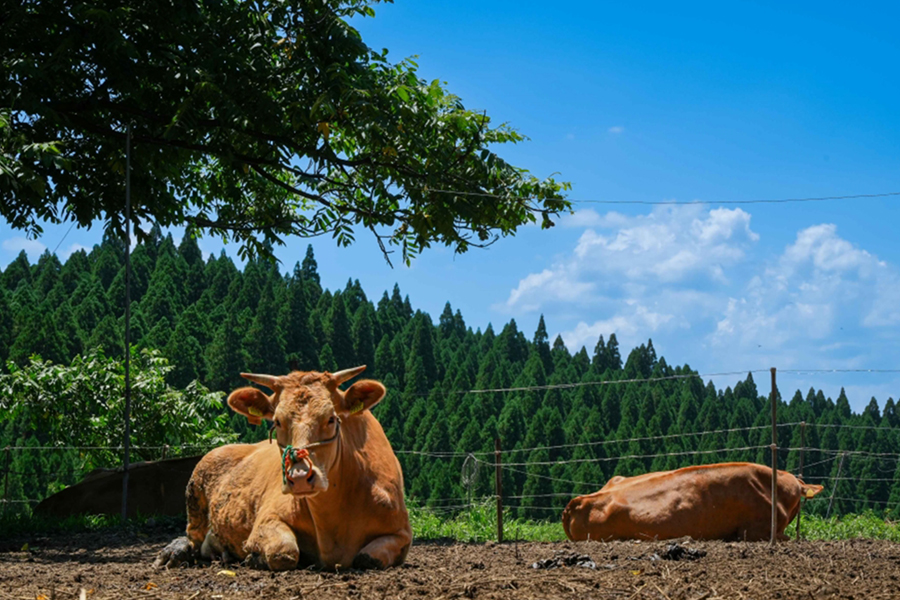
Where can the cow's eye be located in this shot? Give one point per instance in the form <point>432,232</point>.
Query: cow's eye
<point>331,420</point>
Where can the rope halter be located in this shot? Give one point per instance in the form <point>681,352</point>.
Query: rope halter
<point>293,455</point>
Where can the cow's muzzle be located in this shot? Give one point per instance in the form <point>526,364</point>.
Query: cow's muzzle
<point>298,473</point>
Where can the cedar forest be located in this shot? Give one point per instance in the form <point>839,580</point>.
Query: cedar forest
<point>208,321</point>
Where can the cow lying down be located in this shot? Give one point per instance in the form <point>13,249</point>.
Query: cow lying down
<point>330,492</point>
<point>727,501</point>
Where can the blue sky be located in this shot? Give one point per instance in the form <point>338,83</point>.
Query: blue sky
<point>655,102</point>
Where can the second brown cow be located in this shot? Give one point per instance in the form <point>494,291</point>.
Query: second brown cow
<point>727,501</point>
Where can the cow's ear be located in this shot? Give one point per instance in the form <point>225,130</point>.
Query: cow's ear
<point>809,491</point>
<point>362,395</point>
<point>251,403</point>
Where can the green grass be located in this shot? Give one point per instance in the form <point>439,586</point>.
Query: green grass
<point>475,525</point>
<point>479,524</point>
<point>866,525</point>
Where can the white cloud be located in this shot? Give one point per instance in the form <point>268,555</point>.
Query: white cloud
<point>65,254</point>
<point>617,129</point>
<point>553,282</point>
<point>820,285</point>
<point>32,248</point>
<point>631,327</point>
<point>672,244</point>
<point>669,244</point>
<point>590,218</point>
<point>820,247</point>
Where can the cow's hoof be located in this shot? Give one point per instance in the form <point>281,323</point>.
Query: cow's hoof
<point>281,562</point>
<point>255,561</point>
<point>178,552</point>
<point>364,561</point>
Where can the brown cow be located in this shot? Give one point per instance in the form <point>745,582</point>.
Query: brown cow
<point>728,501</point>
<point>330,492</point>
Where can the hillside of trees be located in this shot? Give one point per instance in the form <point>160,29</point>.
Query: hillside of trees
<point>212,321</point>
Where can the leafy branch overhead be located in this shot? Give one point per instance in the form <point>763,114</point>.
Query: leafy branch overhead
<point>252,121</point>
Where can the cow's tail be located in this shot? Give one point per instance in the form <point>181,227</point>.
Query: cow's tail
<point>197,511</point>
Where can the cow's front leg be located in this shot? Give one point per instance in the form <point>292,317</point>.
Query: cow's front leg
<point>275,542</point>
<point>385,551</point>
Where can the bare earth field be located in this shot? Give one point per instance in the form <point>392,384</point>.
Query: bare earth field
<point>118,565</point>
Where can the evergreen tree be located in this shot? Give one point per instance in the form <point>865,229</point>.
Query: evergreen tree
<point>224,356</point>
<point>541,345</point>
<point>338,333</point>
<point>264,342</point>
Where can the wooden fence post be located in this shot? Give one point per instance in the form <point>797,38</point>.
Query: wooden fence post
<point>498,490</point>
<point>774,457</point>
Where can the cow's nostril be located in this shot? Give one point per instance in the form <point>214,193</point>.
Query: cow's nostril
<point>311,477</point>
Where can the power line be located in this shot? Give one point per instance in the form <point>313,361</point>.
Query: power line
<point>675,202</point>
<point>612,458</point>
<point>64,237</point>
<point>819,371</point>
<point>644,439</point>
<point>557,386</point>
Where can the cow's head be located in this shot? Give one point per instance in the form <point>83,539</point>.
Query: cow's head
<point>306,411</point>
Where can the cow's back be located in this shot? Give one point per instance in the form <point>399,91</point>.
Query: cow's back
<point>724,501</point>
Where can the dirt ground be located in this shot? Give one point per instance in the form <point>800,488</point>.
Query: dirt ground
<point>117,565</point>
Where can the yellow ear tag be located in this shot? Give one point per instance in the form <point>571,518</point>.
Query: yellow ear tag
<point>357,408</point>
<point>810,493</point>
<point>254,411</point>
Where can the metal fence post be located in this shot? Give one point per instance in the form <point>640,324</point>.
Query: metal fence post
<point>6,480</point>
<point>127,415</point>
<point>802,449</point>
<point>774,457</point>
<point>498,489</point>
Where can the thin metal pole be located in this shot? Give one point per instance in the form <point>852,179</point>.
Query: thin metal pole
<point>774,457</point>
<point>802,447</point>
<point>127,441</point>
<point>498,489</point>
<point>834,487</point>
<point>6,481</point>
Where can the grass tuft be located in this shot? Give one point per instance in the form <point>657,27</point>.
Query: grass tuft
<point>867,525</point>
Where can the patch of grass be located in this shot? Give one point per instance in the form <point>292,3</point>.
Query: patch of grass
<point>479,524</point>
<point>867,525</point>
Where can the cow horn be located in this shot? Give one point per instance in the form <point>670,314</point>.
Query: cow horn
<point>342,376</point>
<point>270,381</point>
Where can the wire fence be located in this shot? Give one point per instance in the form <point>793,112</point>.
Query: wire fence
<point>527,468</point>
<point>837,478</point>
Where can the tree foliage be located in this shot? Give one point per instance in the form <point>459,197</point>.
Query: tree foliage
<point>82,404</point>
<point>249,120</point>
